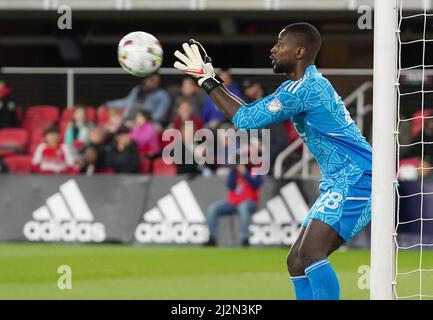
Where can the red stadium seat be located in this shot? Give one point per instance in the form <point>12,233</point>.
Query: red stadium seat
<point>145,165</point>
<point>19,163</point>
<point>62,126</point>
<point>162,169</point>
<point>417,123</point>
<point>38,125</point>
<point>32,146</point>
<point>105,171</point>
<point>410,162</point>
<point>45,112</point>
<point>36,137</point>
<point>19,114</point>
<point>67,114</point>
<point>163,144</point>
<point>91,113</point>
<point>40,117</point>
<point>103,116</point>
<point>13,141</point>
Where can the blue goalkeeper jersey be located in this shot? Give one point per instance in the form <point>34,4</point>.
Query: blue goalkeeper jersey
<point>322,121</point>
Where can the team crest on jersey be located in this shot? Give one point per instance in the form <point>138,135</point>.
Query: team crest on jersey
<point>274,105</point>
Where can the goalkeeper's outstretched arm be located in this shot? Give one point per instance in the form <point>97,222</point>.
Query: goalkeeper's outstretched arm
<point>226,101</point>
<point>200,67</point>
<point>259,114</point>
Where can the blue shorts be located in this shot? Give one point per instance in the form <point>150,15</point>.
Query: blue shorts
<point>347,209</point>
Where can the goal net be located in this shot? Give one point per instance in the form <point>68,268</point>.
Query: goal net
<point>402,211</point>
<point>413,275</point>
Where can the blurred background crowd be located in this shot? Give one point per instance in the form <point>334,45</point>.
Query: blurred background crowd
<point>122,135</point>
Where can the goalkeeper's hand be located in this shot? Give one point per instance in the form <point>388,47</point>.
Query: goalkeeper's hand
<point>192,63</point>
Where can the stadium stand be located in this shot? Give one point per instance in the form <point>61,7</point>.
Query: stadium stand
<point>19,163</point>
<point>39,117</point>
<point>145,165</point>
<point>160,168</point>
<point>13,141</point>
<point>67,114</point>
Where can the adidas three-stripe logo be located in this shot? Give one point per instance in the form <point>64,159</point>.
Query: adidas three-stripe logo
<point>66,216</point>
<point>280,221</point>
<point>177,218</point>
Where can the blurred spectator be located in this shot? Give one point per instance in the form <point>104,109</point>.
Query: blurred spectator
<point>280,131</point>
<point>192,91</point>
<point>123,155</point>
<point>253,91</point>
<point>188,123</point>
<point>77,131</point>
<point>115,121</point>
<point>53,157</point>
<point>184,166</point>
<point>148,96</point>
<point>227,158</point>
<point>95,154</point>
<point>279,141</point>
<point>7,106</point>
<point>145,134</point>
<point>191,149</point>
<point>185,112</point>
<point>211,115</point>
<point>90,161</point>
<point>427,171</point>
<point>242,199</point>
<point>418,155</point>
<point>417,123</point>
<point>3,167</point>
<point>426,136</point>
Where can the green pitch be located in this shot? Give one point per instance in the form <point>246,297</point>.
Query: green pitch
<point>29,271</point>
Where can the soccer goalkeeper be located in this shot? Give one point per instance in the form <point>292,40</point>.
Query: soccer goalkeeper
<point>321,119</point>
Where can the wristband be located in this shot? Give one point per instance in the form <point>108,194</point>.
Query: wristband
<point>209,84</point>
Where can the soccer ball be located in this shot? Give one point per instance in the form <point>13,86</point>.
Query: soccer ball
<point>139,53</point>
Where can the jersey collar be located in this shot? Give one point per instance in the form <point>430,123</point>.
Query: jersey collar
<point>310,69</point>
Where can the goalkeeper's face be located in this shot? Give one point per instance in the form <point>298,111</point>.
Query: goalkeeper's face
<point>285,54</point>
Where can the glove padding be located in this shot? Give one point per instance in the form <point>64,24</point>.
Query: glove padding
<point>193,64</point>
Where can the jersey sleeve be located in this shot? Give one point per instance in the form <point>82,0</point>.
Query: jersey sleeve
<point>277,107</point>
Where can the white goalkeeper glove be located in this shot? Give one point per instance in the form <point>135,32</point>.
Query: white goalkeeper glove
<point>192,63</point>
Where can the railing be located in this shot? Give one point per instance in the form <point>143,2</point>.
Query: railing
<point>303,164</point>
<point>362,109</point>
<point>66,79</point>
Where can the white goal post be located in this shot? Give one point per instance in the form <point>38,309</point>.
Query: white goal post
<point>384,150</point>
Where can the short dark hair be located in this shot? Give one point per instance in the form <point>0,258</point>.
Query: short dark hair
<point>248,83</point>
<point>51,129</point>
<point>182,100</point>
<point>146,114</point>
<point>149,75</point>
<point>307,35</point>
<point>123,130</point>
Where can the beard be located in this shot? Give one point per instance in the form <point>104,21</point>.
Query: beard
<point>282,67</point>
